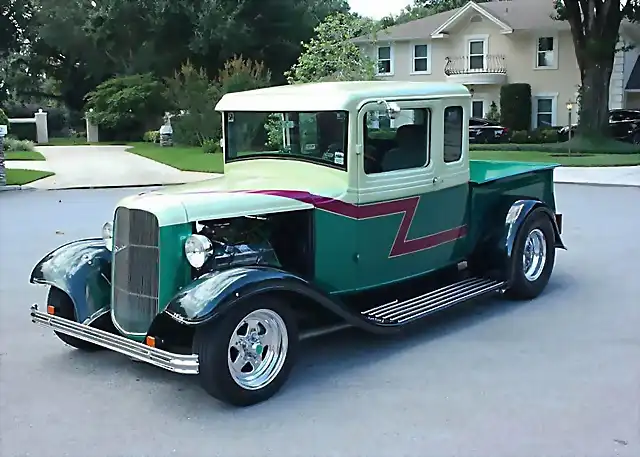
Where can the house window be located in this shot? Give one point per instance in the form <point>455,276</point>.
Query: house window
<point>544,113</point>
<point>453,133</point>
<point>477,108</point>
<point>476,54</point>
<point>545,57</point>
<point>421,58</point>
<point>384,60</point>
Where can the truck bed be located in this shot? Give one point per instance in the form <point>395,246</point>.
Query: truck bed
<point>485,171</point>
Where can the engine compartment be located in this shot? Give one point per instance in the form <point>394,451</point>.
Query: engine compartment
<point>282,240</point>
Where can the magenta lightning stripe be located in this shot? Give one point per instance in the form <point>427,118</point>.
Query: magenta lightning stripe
<point>406,206</point>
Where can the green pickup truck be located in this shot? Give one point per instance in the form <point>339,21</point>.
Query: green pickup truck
<point>342,204</point>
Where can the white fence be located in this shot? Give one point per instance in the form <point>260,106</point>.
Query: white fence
<point>40,119</point>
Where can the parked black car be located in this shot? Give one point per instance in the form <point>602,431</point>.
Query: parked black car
<point>486,131</point>
<point>624,125</point>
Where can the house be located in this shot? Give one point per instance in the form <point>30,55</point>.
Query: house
<point>490,44</point>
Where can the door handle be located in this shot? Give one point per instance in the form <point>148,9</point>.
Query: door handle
<point>436,180</point>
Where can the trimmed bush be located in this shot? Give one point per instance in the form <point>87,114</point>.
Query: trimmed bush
<point>211,146</point>
<point>151,136</point>
<point>578,146</point>
<point>15,145</point>
<point>515,106</point>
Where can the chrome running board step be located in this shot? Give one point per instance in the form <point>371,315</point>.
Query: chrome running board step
<point>403,312</point>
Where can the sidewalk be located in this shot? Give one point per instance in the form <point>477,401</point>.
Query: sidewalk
<point>604,176</point>
<point>101,166</point>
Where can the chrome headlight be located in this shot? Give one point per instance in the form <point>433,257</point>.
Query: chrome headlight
<point>107,235</point>
<point>198,248</point>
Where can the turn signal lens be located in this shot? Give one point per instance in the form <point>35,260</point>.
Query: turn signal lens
<point>150,341</point>
<point>51,309</point>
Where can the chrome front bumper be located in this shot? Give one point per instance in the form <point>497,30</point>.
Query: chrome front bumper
<point>179,363</point>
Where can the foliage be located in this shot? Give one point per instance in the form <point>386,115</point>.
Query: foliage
<point>194,96</point>
<point>595,30</point>
<point>273,127</point>
<point>577,145</point>
<point>57,119</point>
<point>423,8</point>
<point>331,55</point>
<point>151,136</point>
<point>20,177</point>
<point>542,135</point>
<point>14,145</point>
<point>493,114</point>
<point>515,106</point>
<point>211,147</point>
<point>4,119</point>
<point>186,158</point>
<point>127,105</point>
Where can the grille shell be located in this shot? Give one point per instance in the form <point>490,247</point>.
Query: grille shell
<point>135,270</point>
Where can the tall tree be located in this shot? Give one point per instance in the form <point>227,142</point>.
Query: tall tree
<point>595,27</point>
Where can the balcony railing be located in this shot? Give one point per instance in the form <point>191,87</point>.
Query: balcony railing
<point>464,65</point>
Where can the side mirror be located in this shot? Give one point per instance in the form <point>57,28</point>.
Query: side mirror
<point>392,108</point>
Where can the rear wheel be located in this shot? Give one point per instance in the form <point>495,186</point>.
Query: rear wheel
<point>247,356</point>
<point>533,257</point>
<point>64,308</point>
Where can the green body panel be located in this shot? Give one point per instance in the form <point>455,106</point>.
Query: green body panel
<point>175,271</point>
<point>483,171</point>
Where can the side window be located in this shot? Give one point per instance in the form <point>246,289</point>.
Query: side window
<point>396,144</point>
<point>453,116</point>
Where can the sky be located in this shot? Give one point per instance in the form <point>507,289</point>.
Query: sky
<point>377,8</point>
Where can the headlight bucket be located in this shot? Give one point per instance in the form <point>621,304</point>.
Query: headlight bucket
<point>107,235</point>
<point>198,248</point>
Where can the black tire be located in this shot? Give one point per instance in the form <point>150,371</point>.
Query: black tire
<point>522,287</point>
<point>64,308</point>
<point>211,343</point>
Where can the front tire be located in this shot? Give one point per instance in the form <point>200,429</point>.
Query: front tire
<point>533,257</point>
<point>247,355</point>
<point>64,308</point>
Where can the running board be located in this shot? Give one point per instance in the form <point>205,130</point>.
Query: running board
<point>403,312</point>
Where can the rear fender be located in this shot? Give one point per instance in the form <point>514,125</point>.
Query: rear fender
<point>81,269</point>
<point>207,298</point>
<point>518,213</point>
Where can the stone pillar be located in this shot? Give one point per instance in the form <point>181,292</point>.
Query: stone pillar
<point>92,129</point>
<point>3,169</point>
<point>42,130</point>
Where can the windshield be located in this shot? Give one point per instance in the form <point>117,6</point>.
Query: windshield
<point>319,137</point>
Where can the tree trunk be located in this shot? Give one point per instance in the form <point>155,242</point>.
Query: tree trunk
<point>594,100</point>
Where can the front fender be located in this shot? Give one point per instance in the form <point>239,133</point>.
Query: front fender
<point>82,270</point>
<point>209,296</point>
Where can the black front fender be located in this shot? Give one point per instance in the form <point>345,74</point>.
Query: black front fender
<point>209,296</point>
<point>82,270</point>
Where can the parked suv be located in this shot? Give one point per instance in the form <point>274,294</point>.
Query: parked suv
<point>624,125</point>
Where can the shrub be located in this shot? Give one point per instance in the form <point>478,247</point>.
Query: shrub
<point>16,145</point>
<point>519,136</point>
<point>211,146</point>
<point>577,145</point>
<point>124,107</point>
<point>515,106</point>
<point>151,136</point>
<point>493,114</point>
<point>4,119</point>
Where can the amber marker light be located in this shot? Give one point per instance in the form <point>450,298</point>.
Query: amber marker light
<point>51,309</point>
<point>151,341</point>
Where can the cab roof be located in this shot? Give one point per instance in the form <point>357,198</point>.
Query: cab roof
<point>326,96</point>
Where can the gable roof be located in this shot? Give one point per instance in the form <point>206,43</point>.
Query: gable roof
<point>510,15</point>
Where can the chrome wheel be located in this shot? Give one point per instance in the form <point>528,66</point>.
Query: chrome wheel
<point>257,349</point>
<point>534,257</point>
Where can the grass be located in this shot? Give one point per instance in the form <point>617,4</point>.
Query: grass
<point>19,177</point>
<point>584,160</point>
<point>578,144</point>
<point>186,158</point>
<point>81,141</point>
<point>23,155</point>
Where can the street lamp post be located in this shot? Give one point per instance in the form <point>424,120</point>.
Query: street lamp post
<point>569,110</point>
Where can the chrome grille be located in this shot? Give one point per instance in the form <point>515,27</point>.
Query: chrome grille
<point>136,271</point>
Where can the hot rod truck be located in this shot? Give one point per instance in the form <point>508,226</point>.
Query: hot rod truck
<point>342,204</point>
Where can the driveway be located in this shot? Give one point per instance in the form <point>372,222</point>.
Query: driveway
<point>102,166</point>
<point>558,376</point>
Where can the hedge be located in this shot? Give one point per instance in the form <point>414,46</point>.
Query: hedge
<point>515,106</point>
<point>578,146</point>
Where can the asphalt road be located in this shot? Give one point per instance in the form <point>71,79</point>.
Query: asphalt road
<point>559,376</point>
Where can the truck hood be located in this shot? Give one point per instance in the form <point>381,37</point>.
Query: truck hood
<point>236,195</point>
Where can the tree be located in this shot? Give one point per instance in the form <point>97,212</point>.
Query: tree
<point>331,55</point>
<point>595,27</point>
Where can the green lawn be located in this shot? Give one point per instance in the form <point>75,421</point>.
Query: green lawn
<point>23,155</point>
<point>184,158</point>
<point>588,160</point>
<point>67,141</point>
<point>18,177</point>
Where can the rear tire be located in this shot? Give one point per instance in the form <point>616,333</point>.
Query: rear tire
<point>533,257</point>
<point>247,355</point>
<point>64,308</point>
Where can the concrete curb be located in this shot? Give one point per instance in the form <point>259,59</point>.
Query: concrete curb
<point>8,188</point>
<point>598,184</point>
<point>120,186</point>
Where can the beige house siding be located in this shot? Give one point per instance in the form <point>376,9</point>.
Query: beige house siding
<point>559,83</point>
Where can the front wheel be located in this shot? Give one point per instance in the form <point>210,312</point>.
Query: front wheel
<point>246,356</point>
<point>533,257</point>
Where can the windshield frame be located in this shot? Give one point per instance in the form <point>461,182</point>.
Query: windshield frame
<point>283,156</point>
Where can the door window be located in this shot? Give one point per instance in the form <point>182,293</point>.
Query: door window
<point>453,118</point>
<point>477,108</point>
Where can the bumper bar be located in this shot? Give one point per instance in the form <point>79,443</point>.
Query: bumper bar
<point>179,363</point>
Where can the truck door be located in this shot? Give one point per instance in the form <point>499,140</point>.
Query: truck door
<point>411,202</point>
